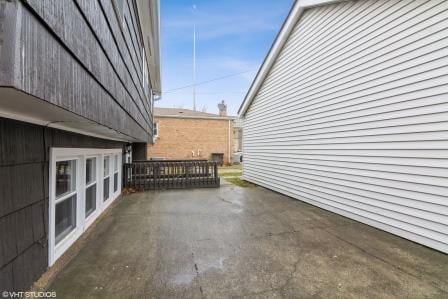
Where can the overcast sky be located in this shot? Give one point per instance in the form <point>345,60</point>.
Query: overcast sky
<point>233,36</point>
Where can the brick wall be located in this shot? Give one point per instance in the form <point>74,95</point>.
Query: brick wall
<point>179,137</point>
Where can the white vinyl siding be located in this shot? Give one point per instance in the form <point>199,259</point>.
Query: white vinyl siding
<point>353,116</point>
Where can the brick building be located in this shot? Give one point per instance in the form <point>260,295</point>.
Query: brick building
<point>187,134</point>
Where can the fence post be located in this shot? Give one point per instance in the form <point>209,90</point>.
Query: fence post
<point>216,173</point>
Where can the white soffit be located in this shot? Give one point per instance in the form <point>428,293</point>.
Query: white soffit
<point>15,104</point>
<point>292,19</point>
<point>149,18</point>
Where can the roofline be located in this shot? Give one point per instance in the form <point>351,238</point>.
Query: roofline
<point>197,117</point>
<point>291,20</point>
<point>149,18</point>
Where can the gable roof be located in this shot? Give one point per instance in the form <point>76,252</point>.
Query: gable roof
<point>186,113</point>
<point>293,17</point>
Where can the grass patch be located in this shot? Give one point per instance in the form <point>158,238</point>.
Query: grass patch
<point>230,173</point>
<point>239,182</point>
<point>237,166</point>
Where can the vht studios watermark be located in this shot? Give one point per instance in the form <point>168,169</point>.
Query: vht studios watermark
<point>8,294</point>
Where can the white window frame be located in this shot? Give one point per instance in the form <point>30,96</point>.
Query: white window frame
<point>82,223</point>
<point>157,128</point>
<point>105,176</point>
<point>117,171</point>
<point>65,242</point>
<point>112,194</point>
<point>89,219</point>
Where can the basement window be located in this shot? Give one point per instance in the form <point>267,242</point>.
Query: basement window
<point>91,188</point>
<point>116,173</point>
<point>106,180</point>
<point>66,195</point>
<point>76,189</point>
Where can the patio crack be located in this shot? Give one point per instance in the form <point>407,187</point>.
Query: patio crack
<point>267,235</point>
<point>196,269</point>
<point>293,231</point>
<point>434,284</point>
<point>280,288</point>
<point>291,275</point>
<point>225,200</point>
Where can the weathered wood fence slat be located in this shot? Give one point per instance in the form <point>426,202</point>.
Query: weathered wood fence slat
<point>170,174</point>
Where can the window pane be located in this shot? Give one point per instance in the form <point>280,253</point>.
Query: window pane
<point>90,200</point>
<point>115,182</point>
<point>65,177</point>
<point>90,170</point>
<point>106,189</point>
<point>116,163</point>
<point>106,165</point>
<point>65,219</point>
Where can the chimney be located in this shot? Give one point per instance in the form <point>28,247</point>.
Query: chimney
<point>222,108</point>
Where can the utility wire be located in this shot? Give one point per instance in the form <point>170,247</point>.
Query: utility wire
<point>218,92</point>
<point>208,81</point>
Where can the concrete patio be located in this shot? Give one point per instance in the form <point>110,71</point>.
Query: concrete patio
<point>249,242</point>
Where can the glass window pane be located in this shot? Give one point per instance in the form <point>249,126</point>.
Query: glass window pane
<point>156,129</point>
<point>106,165</point>
<point>116,163</point>
<point>65,177</point>
<point>115,182</point>
<point>65,219</point>
<point>90,200</point>
<point>90,170</point>
<point>106,189</point>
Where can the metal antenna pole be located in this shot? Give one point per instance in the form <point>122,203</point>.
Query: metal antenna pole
<point>194,67</point>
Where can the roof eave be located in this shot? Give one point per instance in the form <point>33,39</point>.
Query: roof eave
<point>149,17</point>
<point>293,17</point>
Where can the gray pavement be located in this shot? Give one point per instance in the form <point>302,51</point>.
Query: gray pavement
<point>244,242</point>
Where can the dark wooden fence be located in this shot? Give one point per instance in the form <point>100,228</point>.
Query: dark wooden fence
<point>170,174</point>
